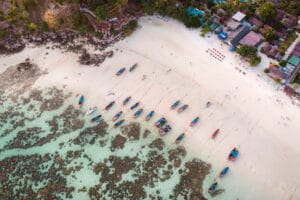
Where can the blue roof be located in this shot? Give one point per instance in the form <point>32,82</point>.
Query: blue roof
<point>223,35</point>
<point>195,12</point>
<point>219,28</point>
<point>213,26</point>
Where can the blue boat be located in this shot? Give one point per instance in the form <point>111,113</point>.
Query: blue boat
<point>182,108</point>
<point>195,121</point>
<point>96,118</point>
<point>224,172</point>
<point>121,71</point>
<point>109,105</point>
<point>159,123</point>
<point>233,154</point>
<point>81,99</point>
<point>213,187</point>
<point>126,100</point>
<point>149,116</point>
<point>135,105</point>
<point>116,116</point>
<point>119,123</point>
<point>138,113</point>
<point>133,67</point>
<point>179,138</point>
<point>175,104</point>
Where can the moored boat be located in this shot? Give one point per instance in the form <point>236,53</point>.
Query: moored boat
<point>182,108</point>
<point>91,110</point>
<point>214,135</point>
<point>224,172</point>
<point>116,116</point>
<point>149,116</point>
<point>96,118</point>
<point>109,105</point>
<point>138,113</point>
<point>179,138</point>
<point>118,123</point>
<point>175,104</point>
<point>233,154</point>
<point>213,187</point>
<point>164,129</point>
<point>81,99</point>
<point>126,100</point>
<point>133,67</point>
<point>159,123</point>
<point>135,105</point>
<point>121,71</point>
<point>194,122</point>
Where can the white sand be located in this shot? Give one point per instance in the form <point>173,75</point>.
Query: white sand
<point>249,110</point>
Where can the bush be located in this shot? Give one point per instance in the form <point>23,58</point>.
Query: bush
<point>32,26</point>
<point>250,53</point>
<point>277,79</point>
<point>44,26</point>
<point>283,63</point>
<point>129,28</point>
<point>266,70</point>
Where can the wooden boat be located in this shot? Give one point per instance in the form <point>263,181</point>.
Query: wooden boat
<point>118,123</point>
<point>121,71</point>
<point>149,116</point>
<point>159,123</point>
<point>233,154</point>
<point>224,172</point>
<point>179,138</point>
<point>116,116</point>
<point>109,105</point>
<point>126,100</point>
<point>213,187</point>
<point>182,108</point>
<point>133,67</point>
<point>135,105</point>
<point>138,113</point>
<point>194,122</point>
<point>214,135</point>
<point>81,99</point>
<point>96,118</point>
<point>175,104</point>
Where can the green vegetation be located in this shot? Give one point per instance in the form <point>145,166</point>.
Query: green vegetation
<point>270,35</point>
<point>297,79</point>
<point>44,26</point>
<point>32,26</point>
<point>205,29</point>
<point>287,42</point>
<point>3,34</point>
<point>283,63</point>
<point>28,3</point>
<point>290,6</point>
<point>277,79</point>
<point>129,28</point>
<point>250,53</point>
<point>267,11</point>
<point>266,70</point>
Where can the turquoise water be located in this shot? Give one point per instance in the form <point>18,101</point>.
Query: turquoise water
<point>49,149</point>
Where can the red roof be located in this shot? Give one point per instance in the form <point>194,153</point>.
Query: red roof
<point>251,39</point>
<point>255,22</point>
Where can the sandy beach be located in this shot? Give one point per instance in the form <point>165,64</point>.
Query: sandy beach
<point>175,63</point>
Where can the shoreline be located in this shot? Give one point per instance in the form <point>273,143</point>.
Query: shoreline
<point>246,120</point>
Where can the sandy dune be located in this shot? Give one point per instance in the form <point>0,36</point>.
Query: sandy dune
<point>174,63</point>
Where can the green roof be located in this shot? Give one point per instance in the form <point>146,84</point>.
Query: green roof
<point>294,60</point>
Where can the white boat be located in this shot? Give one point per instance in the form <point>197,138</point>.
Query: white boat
<point>91,110</point>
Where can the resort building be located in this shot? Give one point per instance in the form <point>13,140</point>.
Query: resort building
<point>252,39</point>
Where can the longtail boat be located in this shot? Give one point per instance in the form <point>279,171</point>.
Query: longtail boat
<point>121,71</point>
<point>213,187</point>
<point>165,129</point>
<point>159,123</point>
<point>194,122</point>
<point>133,67</point>
<point>116,116</point>
<point>109,105</point>
<point>149,116</point>
<point>224,172</point>
<point>214,135</point>
<point>179,138</point>
<point>118,123</point>
<point>182,108</point>
<point>175,104</point>
<point>96,118</point>
<point>138,113</point>
<point>233,154</point>
<point>135,105</point>
<point>126,100</point>
<point>81,99</point>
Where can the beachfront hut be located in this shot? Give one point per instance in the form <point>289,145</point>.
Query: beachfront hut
<point>252,39</point>
<point>232,25</point>
<point>238,16</point>
<point>236,38</point>
<point>219,29</point>
<point>195,12</point>
<point>223,35</point>
<point>213,26</point>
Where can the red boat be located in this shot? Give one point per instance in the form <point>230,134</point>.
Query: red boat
<point>215,134</point>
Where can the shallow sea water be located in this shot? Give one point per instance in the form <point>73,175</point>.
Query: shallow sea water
<point>49,149</point>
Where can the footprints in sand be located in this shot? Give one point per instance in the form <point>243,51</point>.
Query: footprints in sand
<point>215,54</point>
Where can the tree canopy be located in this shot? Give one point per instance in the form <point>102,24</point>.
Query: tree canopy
<point>267,11</point>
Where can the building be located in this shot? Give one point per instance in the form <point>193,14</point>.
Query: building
<point>255,22</point>
<point>296,50</point>
<point>294,60</point>
<point>236,37</point>
<point>252,39</point>
<point>238,16</point>
<point>266,48</point>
